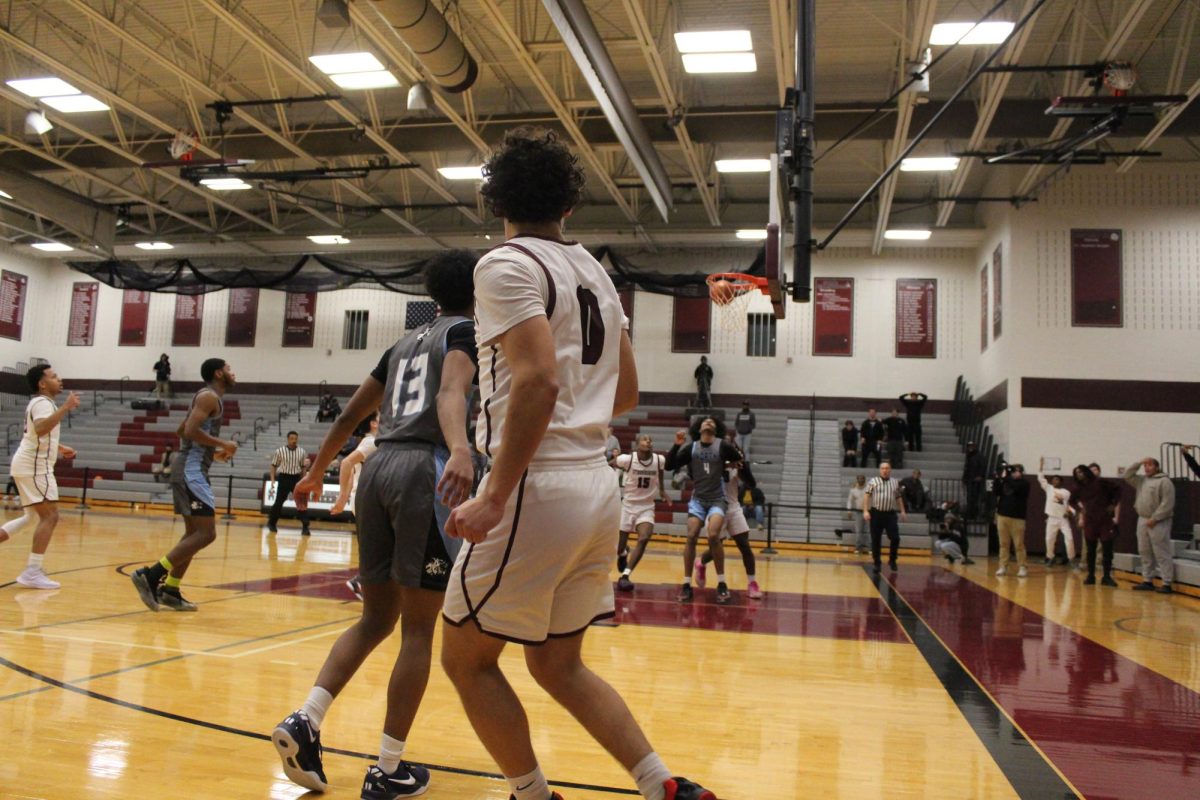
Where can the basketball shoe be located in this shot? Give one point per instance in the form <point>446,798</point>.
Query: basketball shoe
<point>723,595</point>
<point>170,598</point>
<point>409,780</point>
<point>553,796</point>
<point>299,748</point>
<point>36,578</point>
<point>683,789</point>
<point>624,584</point>
<point>147,587</point>
<point>753,591</point>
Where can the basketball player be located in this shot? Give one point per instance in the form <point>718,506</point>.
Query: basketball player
<point>32,469</point>
<point>557,366</point>
<point>706,459</point>
<point>736,527</point>
<point>348,472</point>
<point>643,482</point>
<point>423,382</point>
<point>192,491</point>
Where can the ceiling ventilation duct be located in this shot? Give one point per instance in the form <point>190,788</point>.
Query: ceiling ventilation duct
<point>431,39</point>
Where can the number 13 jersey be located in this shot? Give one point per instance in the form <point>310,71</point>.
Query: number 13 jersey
<point>531,276</point>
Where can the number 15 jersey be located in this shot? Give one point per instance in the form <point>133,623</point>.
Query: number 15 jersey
<point>531,276</point>
<point>641,487</point>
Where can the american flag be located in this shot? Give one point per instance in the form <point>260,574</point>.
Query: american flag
<point>418,313</point>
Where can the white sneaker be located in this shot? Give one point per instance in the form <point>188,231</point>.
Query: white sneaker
<point>1000,573</point>
<point>1022,573</point>
<point>36,578</point>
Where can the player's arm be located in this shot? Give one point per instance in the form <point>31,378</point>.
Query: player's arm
<point>365,401</point>
<point>730,454</point>
<point>748,476</point>
<point>206,406</point>
<point>662,484</point>
<point>458,377</point>
<point>866,503</point>
<point>345,475</point>
<point>679,455</point>
<point>43,425</point>
<point>627,380</point>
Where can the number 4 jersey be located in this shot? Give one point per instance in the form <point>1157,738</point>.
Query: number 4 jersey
<point>528,277</point>
<point>641,483</point>
<point>411,373</point>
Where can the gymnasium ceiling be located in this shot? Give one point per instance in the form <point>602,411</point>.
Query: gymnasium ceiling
<point>157,63</point>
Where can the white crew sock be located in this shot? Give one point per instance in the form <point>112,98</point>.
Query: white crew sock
<point>628,571</point>
<point>649,775</point>
<point>15,526</point>
<point>687,580</point>
<point>530,787</point>
<point>317,706</point>
<point>720,579</point>
<point>749,577</point>
<point>391,750</point>
<point>36,559</point>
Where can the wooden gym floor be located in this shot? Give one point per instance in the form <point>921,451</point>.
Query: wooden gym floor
<point>930,683</point>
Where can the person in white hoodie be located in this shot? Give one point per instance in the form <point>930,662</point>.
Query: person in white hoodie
<point>1058,508</point>
<point>1155,507</point>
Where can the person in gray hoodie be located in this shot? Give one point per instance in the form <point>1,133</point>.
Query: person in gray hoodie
<point>1155,506</point>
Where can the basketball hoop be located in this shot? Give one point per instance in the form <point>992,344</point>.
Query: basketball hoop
<point>1120,77</point>
<point>730,293</point>
<point>183,145</point>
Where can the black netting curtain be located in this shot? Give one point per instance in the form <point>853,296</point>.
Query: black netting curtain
<point>691,284</point>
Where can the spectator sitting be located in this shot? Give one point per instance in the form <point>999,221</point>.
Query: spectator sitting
<point>952,539</point>
<point>870,433</point>
<point>915,496</point>
<point>754,503</point>
<point>849,444</point>
<point>328,409</point>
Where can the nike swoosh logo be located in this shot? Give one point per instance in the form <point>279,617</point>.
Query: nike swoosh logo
<point>526,786</point>
<point>409,781</point>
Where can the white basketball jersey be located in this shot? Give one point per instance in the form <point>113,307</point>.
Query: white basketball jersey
<point>36,454</point>
<point>641,484</point>
<point>531,276</point>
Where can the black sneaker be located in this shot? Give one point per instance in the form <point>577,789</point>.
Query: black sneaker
<point>683,789</point>
<point>299,748</point>
<point>1049,562</point>
<point>170,599</point>
<point>967,561</point>
<point>1165,589</point>
<point>624,584</point>
<point>723,596</point>
<point>1108,581</point>
<point>685,593</point>
<point>147,587</point>
<point>892,566</point>
<point>409,780</point>
<point>1144,586</point>
<point>877,568</point>
<point>1090,580</point>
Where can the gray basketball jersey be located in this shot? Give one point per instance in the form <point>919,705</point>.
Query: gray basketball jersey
<point>414,376</point>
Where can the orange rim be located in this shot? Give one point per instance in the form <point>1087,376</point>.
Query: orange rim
<point>740,281</point>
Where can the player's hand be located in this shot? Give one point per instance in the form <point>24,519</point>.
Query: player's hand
<point>65,451</point>
<point>71,402</point>
<point>312,483</point>
<point>1150,523</point>
<point>867,516</point>
<point>457,479</point>
<point>230,447</point>
<point>1187,448</point>
<point>904,516</point>
<point>339,505</point>
<point>474,519</point>
<point>680,436</point>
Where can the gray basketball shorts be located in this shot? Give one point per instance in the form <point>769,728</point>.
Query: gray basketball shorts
<point>400,538</point>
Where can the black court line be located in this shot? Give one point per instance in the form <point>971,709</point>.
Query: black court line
<point>1026,769</point>
<point>65,571</point>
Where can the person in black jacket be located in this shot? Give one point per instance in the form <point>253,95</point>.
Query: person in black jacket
<point>162,376</point>
<point>914,403</point>
<point>849,444</point>
<point>895,431</point>
<point>1012,500</point>
<point>870,434</point>
<point>972,477</point>
<point>1193,465</point>
<point>915,496</point>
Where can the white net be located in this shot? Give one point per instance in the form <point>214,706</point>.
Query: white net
<point>731,313</point>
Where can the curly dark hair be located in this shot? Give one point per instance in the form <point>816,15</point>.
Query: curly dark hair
<point>532,177</point>
<point>450,279</point>
<point>694,428</point>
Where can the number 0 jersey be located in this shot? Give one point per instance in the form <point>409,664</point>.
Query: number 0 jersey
<point>531,276</point>
<point>411,373</point>
<point>641,482</point>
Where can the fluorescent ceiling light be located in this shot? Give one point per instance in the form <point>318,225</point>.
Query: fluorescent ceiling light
<point>53,247</point>
<point>709,63</point>
<point>332,238</point>
<point>713,41</point>
<point>75,103</point>
<point>43,87</point>
<point>37,124</point>
<point>907,235</point>
<point>5,195</point>
<point>933,164</point>
<point>743,165</point>
<point>461,173</point>
<point>752,233</point>
<point>945,33</point>
<point>376,79</point>
<point>225,184</point>
<point>154,246</point>
<point>339,63</point>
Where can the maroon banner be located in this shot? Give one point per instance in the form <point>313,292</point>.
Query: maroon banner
<point>983,308</point>
<point>189,320</point>
<point>241,323</point>
<point>916,318</point>
<point>833,317</point>
<point>135,316</point>
<point>81,330</point>
<point>299,319</point>
<point>1096,279</point>
<point>12,304</point>
<point>997,270</point>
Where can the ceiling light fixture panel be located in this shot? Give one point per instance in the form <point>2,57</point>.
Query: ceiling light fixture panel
<point>947,33</point>
<point>154,246</point>
<point>907,235</point>
<point>743,165</point>
<point>930,164</point>
<point>43,87</point>
<point>713,41</point>
<point>376,79</point>
<point>461,173</point>
<point>53,247</point>
<point>340,63</point>
<point>75,103</point>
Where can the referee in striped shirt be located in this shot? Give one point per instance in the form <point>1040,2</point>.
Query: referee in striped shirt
<point>881,501</point>
<point>287,466</point>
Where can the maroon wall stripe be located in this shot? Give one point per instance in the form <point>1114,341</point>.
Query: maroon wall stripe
<point>1176,397</point>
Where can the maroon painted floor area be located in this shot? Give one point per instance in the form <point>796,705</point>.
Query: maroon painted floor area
<point>330,585</point>
<point>1113,727</point>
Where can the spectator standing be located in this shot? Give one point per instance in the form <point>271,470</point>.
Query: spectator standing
<point>913,489</point>
<point>973,473</point>
<point>1058,508</point>
<point>870,435</point>
<point>854,513</point>
<point>1155,507</point>
<point>914,404</point>
<point>744,424</point>
<point>287,467</point>
<point>881,502</point>
<point>894,432</point>
<point>704,378</point>
<point>162,376</point>
<point>757,505</point>
<point>1193,465</point>
<point>1096,500</point>
<point>1012,502</point>
<point>612,446</point>
<point>849,444</point>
